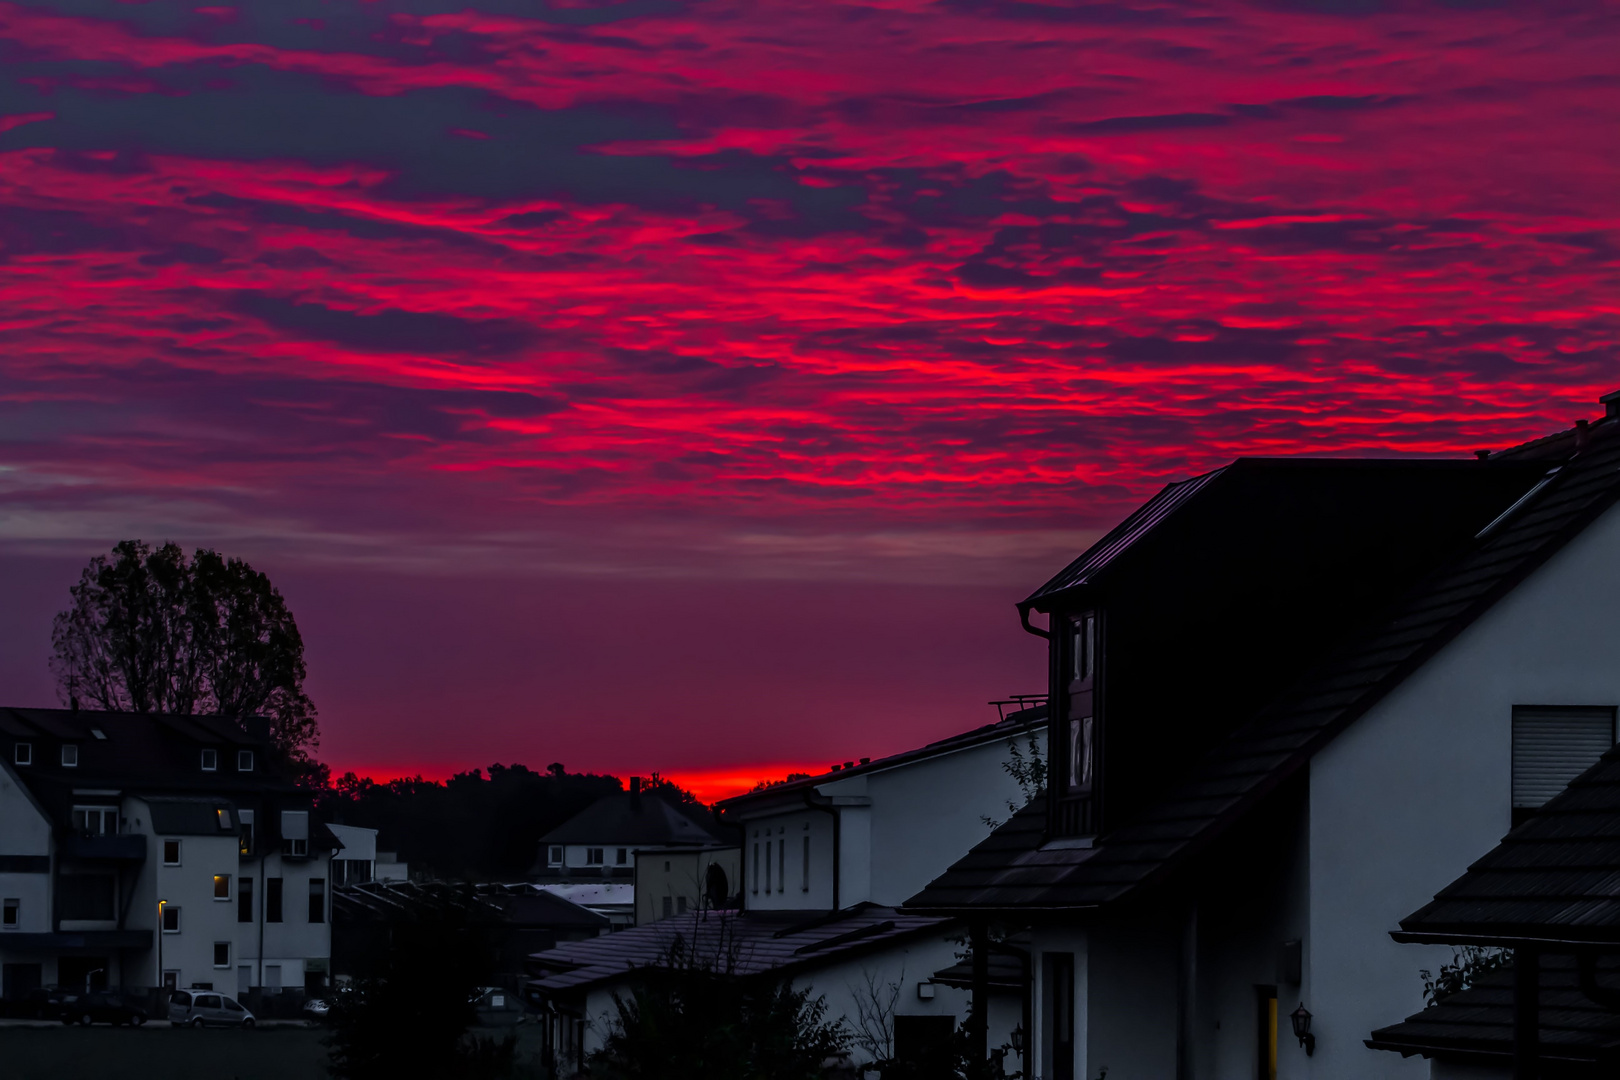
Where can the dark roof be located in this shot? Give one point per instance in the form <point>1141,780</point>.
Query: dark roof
<point>1010,727</point>
<point>1095,559</point>
<point>648,819</point>
<point>1477,1024</point>
<point>1555,878</point>
<point>1005,971</point>
<point>191,817</point>
<point>517,906</point>
<point>774,942</point>
<point>1012,869</point>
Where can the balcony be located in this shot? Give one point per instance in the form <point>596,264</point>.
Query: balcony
<point>103,848</point>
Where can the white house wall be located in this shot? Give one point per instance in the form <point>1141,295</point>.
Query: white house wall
<point>1405,799</point>
<point>26,832</point>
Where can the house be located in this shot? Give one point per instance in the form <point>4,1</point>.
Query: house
<point>1546,895</point>
<point>1286,701</point>
<point>143,850</point>
<point>825,860</point>
<point>603,844</point>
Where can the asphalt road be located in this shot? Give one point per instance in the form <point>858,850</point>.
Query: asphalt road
<point>159,1052</point>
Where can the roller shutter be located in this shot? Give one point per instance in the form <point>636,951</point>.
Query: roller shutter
<point>1552,745</point>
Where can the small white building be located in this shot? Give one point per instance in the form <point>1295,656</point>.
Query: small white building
<point>1293,699</point>
<point>825,859</point>
<point>141,851</point>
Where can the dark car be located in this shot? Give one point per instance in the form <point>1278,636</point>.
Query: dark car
<point>103,1008</point>
<point>47,1003</point>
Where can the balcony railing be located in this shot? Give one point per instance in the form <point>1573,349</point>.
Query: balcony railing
<point>126,848</point>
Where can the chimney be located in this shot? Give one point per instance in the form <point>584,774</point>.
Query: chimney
<point>635,794</point>
<point>1482,454</point>
<point>1611,405</point>
<point>1581,436</point>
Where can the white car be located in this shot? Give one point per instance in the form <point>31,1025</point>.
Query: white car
<point>205,1008</point>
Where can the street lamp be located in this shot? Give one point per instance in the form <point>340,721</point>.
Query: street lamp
<point>160,944</point>
<point>1301,1018</point>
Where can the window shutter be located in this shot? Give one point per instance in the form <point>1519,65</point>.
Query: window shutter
<point>1552,745</point>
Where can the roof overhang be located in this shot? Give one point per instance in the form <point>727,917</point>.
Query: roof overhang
<point>1551,942</point>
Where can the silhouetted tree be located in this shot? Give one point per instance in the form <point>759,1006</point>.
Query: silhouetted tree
<point>692,1017</point>
<point>412,1017</point>
<point>476,825</point>
<point>151,631</point>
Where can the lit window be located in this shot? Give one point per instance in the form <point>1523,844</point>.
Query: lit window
<point>244,761</point>
<point>70,756</point>
<point>246,818</point>
<point>171,919</point>
<point>171,853</point>
<point>24,754</point>
<point>210,760</point>
<point>9,914</point>
<point>593,856</point>
<point>554,857</point>
<point>222,954</point>
<point>222,886</point>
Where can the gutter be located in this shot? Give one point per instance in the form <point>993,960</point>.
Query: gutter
<point>1023,619</point>
<point>817,801</point>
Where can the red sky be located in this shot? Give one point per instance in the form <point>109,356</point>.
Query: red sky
<point>695,386</point>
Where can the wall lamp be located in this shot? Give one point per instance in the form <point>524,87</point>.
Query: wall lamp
<point>1301,1018</point>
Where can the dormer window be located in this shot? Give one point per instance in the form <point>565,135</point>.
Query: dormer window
<point>244,761</point>
<point>210,760</point>
<point>70,756</point>
<point>23,754</point>
<point>1077,729</point>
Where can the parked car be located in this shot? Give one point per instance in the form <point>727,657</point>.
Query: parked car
<point>102,1008</point>
<point>46,1003</point>
<point>207,1008</point>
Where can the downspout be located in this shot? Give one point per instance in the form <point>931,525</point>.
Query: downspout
<point>813,800</point>
<point>1023,619</point>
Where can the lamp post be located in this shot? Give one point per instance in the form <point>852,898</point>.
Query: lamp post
<point>159,980</point>
<point>1301,1018</point>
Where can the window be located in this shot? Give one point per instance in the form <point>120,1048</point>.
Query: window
<point>272,899</point>
<point>272,977</point>
<point>244,899</point>
<point>593,856</point>
<point>1552,745</point>
<point>222,886</point>
<point>669,906</point>
<point>756,866</point>
<point>95,820</point>
<point>222,956</point>
<point>9,914</point>
<point>781,864</point>
<point>99,734</point>
<point>210,760</point>
<point>1085,647</point>
<point>554,855</point>
<point>295,832</point>
<point>171,979</point>
<point>171,918</point>
<point>23,754</point>
<point>70,756</point>
<point>244,761</point>
<point>767,868</point>
<point>680,905</point>
<point>245,817</point>
<point>622,856</point>
<point>317,900</point>
<point>1082,754</point>
<point>804,875</point>
<point>171,853</point>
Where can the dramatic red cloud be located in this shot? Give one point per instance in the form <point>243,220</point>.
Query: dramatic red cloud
<point>888,290</point>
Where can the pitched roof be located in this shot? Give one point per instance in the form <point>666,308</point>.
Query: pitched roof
<point>646,819</point>
<point>1555,878</point>
<point>759,942</point>
<point>1100,555</point>
<point>1014,868</point>
<point>1009,727</point>
<point>1477,1024</point>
